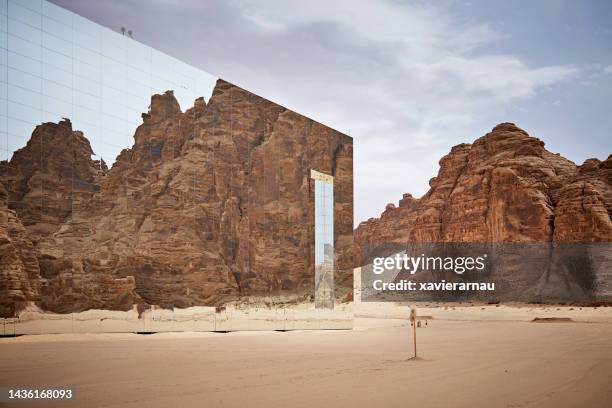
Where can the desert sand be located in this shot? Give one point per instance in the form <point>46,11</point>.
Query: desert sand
<point>479,356</point>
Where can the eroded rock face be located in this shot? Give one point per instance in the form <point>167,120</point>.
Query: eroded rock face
<point>208,205</point>
<point>50,178</point>
<point>503,188</point>
<point>19,271</point>
<point>584,205</point>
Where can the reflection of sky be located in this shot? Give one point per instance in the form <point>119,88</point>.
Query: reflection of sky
<point>324,221</point>
<point>57,64</point>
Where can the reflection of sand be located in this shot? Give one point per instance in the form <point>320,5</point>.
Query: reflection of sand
<point>472,357</point>
<point>230,318</point>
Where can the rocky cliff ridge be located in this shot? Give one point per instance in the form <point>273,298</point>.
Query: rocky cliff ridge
<point>505,187</point>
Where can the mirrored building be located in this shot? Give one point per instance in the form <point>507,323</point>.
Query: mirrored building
<point>139,193</point>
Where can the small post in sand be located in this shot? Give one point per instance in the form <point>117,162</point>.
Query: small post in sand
<point>413,320</point>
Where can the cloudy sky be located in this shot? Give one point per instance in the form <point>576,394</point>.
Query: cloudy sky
<point>408,80</point>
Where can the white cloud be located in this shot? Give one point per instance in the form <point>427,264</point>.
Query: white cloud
<point>608,69</point>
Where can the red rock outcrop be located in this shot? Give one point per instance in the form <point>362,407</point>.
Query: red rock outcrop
<point>503,188</point>
<point>19,271</point>
<point>208,205</point>
<point>584,205</point>
<point>49,178</point>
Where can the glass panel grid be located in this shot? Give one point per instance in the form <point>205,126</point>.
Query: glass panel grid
<point>59,64</point>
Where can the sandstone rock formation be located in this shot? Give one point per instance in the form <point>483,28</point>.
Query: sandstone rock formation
<point>19,271</point>
<point>208,205</point>
<point>503,188</point>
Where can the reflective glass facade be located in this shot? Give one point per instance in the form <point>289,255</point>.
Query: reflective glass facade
<point>217,209</point>
<point>55,63</point>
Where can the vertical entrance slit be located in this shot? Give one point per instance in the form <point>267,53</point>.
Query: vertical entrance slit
<point>324,240</point>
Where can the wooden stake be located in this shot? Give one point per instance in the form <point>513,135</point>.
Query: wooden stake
<point>413,319</point>
<point>414,332</point>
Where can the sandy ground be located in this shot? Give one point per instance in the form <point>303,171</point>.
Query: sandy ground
<point>471,357</point>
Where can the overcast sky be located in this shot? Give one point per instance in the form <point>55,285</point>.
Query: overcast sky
<point>408,80</point>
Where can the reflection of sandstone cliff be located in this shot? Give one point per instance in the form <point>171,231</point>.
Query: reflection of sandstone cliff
<point>19,271</point>
<point>209,204</point>
<point>503,188</point>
